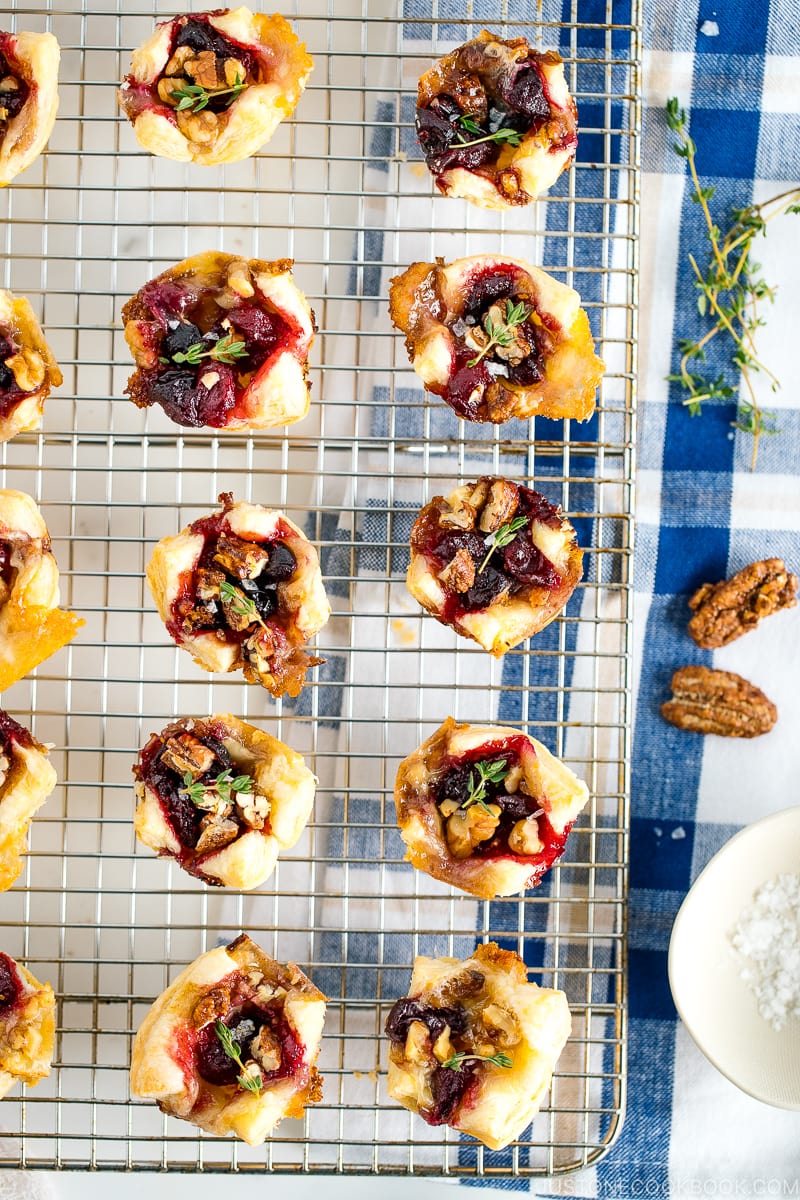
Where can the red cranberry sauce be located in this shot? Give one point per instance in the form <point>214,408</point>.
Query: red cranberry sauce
<point>468,381</point>
<point>518,565</point>
<point>515,100</point>
<point>183,318</point>
<point>262,591</point>
<point>10,730</point>
<point>180,813</point>
<point>454,784</point>
<point>449,1087</point>
<point>10,391</point>
<point>11,986</point>
<point>14,90</point>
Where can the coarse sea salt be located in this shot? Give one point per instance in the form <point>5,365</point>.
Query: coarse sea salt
<point>767,935</point>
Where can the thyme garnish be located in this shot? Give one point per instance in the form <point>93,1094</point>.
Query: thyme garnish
<point>252,1083</point>
<point>504,333</point>
<point>512,136</point>
<point>193,97</point>
<point>501,537</point>
<point>224,350</point>
<point>240,603</point>
<point>729,293</point>
<point>500,1060</point>
<point>223,785</point>
<point>488,772</point>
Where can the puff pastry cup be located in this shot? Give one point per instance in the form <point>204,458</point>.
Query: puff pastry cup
<point>474,1044</point>
<point>28,369</point>
<point>486,808</point>
<point>272,1017</point>
<point>222,798</point>
<point>213,87</point>
<point>497,338</point>
<point>496,122</point>
<point>27,1026</point>
<point>495,560</point>
<point>221,341</point>
<point>26,780</point>
<point>28,98</point>
<point>241,590</point>
<point>32,626</point>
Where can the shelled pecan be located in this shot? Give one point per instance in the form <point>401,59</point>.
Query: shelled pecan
<point>708,701</point>
<point>727,610</point>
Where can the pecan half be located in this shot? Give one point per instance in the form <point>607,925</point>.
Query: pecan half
<point>459,574</point>
<point>725,611</point>
<point>242,559</point>
<point>187,755</point>
<point>706,701</point>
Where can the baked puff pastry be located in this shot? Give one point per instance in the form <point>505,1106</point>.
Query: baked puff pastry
<point>32,626</point>
<point>241,590</point>
<point>231,1044</point>
<point>486,808</point>
<point>213,87</point>
<point>494,560</point>
<point>496,122</point>
<point>497,338</point>
<point>28,369</point>
<point>28,98</point>
<point>27,1026</point>
<point>26,780</point>
<point>222,798</point>
<point>474,1044</point>
<point>221,341</point>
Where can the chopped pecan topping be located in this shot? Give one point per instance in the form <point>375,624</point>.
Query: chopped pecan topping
<point>253,808</point>
<point>187,755</point>
<point>725,611</point>
<point>462,515</point>
<point>466,829</point>
<point>207,583</point>
<point>214,1004</point>
<point>243,560</point>
<point>500,508</point>
<point>239,611</point>
<point>459,574</point>
<point>720,702</point>
<point>266,1049</point>
<point>216,833</point>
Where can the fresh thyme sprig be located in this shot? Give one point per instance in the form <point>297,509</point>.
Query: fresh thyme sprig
<point>488,772</point>
<point>500,1060</point>
<point>252,1083</point>
<point>501,537</point>
<point>224,350</point>
<point>240,603</point>
<point>223,785</point>
<point>512,136</point>
<point>729,293</point>
<point>193,97</point>
<point>504,333</point>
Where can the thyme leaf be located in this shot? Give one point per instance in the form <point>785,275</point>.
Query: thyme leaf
<point>500,1060</point>
<point>193,97</point>
<point>223,785</point>
<point>487,772</point>
<point>729,292</point>
<point>501,537</point>
<point>252,1083</point>
<point>504,333</point>
<point>224,350</point>
<point>240,603</point>
<point>503,135</point>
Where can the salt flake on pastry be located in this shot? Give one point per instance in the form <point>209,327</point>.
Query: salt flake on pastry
<point>222,798</point>
<point>27,1026</point>
<point>241,589</point>
<point>497,338</point>
<point>221,341</point>
<point>495,560</point>
<point>486,808</point>
<point>496,122</point>
<point>32,626</point>
<point>474,1044</point>
<point>26,780</point>
<point>213,87</point>
<point>28,98</point>
<point>231,1045</point>
<point>28,369</point>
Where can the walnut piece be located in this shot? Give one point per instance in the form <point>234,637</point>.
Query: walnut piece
<point>203,68</point>
<point>215,1003</point>
<point>501,1025</point>
<point>266,1049</point>
<point>187,755</point>
<point>28,369</point>
<point>524,837</point>
<point>725,611</point>
<point>459,574</point>
<point>243,559</point>
<point>500,508</point>
<point>707,701</point>
<point>468,828</point>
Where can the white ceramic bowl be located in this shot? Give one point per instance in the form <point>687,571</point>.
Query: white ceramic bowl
<point>715,1004</point>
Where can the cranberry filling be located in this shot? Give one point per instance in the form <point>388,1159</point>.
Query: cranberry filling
<point>199,34</point>
<point>245,1024</point>
<point>10,391</point>
<point>14,93</point>
<point>10,730</point>
<point>10,985</point>
<point>450,1090</point>
<point>181,813</point>
<point>406,1010</point>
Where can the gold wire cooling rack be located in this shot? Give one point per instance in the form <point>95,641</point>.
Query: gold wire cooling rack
<point>341,190</point>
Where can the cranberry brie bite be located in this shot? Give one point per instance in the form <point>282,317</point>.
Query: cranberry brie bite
<point>486,808</point>
<point>223,342</point>
<point>496,122</point>
<point>32,626</point>
<point>241,590</point>
<point>26,780</point>
<point>474,1044</point>
<point>213,87</point>
<point>497,338</point>
<point>28,369</point>
<point>28,98</point>
<point>27,1026</point>
<point>231,1044</point>
<point>222,798</point>
<point>494,560</point>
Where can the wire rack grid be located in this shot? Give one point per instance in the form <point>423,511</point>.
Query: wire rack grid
<point>341,190</point>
